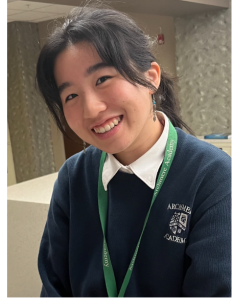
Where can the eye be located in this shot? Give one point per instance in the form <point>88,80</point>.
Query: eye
<point>70,97</point>
<point>102,79</point>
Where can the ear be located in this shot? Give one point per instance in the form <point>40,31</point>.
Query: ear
<point>154,75</point>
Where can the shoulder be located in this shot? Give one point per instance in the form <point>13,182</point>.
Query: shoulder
<point>80,163</point>
<point>79,168</point>
<point>196,151</point>
<point>204,168</point>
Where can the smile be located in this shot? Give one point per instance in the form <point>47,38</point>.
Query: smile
<point>108,126</point>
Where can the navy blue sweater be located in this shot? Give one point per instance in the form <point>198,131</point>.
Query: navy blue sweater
<point>185,248</point>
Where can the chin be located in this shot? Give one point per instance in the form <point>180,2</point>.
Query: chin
<point>114,149</point>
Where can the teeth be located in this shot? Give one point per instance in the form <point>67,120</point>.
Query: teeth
<point>108,127</point>
<point>102,130</point>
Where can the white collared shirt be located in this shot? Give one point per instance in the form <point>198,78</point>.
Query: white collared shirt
<point>145,167</point>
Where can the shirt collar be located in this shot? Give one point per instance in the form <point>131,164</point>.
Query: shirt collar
<point>146,167</point>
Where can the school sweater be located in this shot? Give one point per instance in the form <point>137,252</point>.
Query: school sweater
<point>185,249</point>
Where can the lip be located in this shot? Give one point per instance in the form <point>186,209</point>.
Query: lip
<point>108,134</point>
<point>102,122</point>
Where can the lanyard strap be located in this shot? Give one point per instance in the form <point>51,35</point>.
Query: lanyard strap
<point>103,207</point>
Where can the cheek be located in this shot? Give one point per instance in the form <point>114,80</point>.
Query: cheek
<point>73,117</point>
<point>124,96</point>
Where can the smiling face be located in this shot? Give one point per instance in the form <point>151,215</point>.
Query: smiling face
<point>103,108</point>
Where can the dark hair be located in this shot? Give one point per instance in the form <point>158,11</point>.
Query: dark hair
<point>120,43</point>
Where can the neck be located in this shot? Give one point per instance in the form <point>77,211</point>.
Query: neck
<point>144,143</point>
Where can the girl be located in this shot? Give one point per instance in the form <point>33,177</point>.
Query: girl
<point>145,210</point>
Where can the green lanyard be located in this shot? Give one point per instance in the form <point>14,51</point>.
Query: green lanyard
<point>103,207</point>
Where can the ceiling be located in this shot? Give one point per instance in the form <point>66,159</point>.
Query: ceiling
<point>37,11</point>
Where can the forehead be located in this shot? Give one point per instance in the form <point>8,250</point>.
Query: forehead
<point>75,58</point>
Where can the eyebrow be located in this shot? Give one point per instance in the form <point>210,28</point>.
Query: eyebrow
<point>96,67</point>
<point>63,86</point>
<point>88,72</point>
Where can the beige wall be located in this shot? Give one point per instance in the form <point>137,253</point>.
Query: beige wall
<point>57,137</point>
<point>27,116</point>
<point>27,208</point>
<point>203,55</point>
<point>25,225</point>
<point>11,179</point>
<point>165,54</point>
<point>151,25</point>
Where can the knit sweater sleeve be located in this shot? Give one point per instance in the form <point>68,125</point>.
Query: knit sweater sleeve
<point>53,260</point>
<point>208,254</point>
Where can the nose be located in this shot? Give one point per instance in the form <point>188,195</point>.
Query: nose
<point>93,105</point>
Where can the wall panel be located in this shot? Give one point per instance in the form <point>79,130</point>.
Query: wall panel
<point>203,60</point>
<point>28,119</point>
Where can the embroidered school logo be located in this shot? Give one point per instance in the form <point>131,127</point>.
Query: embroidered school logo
<point>178,223</point>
